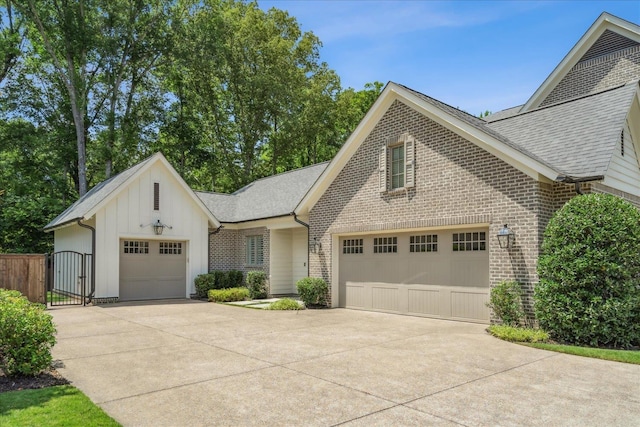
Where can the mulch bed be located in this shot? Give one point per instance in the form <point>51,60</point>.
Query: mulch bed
<point>45,379</point>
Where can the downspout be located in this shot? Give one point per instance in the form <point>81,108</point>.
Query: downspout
<point>577,181</point>
<point>211,233</point>
<point>93,258</point>
<point>295,218</point>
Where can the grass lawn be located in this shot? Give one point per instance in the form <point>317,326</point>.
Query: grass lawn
<point>56,297</point>
<point>51,406</point>
<point>625,356</point>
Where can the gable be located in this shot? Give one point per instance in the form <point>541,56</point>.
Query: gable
<point>607,55</point>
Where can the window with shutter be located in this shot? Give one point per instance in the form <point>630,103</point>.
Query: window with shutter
<point>397,163</point>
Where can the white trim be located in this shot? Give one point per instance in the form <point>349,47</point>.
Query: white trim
<point>604,22</point>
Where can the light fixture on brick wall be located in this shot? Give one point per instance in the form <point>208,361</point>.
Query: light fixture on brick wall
<point>316,246</point>
<point>506,237</point>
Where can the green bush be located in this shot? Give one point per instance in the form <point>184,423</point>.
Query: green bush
<point>228,295</point>
<point>589,290</point>
<point>285,304</point>
<point>257,284</point>
<point>27,334</point>
<point>513,334</point>
<point>204,283</point>
<point>312,291</point>
<point>219,279</point>
<point>506,302</point>
<point>235,279</point>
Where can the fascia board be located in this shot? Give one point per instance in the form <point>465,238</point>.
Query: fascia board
<point>348,149</point>
<point>485,141</point>
<point>280,222</point>
<point>604,22</point>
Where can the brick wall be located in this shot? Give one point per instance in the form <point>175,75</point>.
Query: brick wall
<point>597,74</point>
<point>227,250</point>
<point>456,183</point>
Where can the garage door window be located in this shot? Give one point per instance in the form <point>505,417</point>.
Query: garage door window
<point>135,247</point>
<point>423,243</point>
<point>469,241</point>
<point>352,246</point>
<point>170,248</point>
<point>385,245</point>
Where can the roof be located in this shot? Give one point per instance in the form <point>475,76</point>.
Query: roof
<point>86,206</point>
<point>575,137</point>
<point>269,197</point>
<point>581,50</point>
<point>503,114</point>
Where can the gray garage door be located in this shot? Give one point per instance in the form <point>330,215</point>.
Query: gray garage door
<point>441,274</point>
<point>151,269</point>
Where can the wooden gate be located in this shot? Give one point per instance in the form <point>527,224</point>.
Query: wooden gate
<point>24,273</point>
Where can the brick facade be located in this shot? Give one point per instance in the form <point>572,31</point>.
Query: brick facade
<point>597,74</point>
<point>227,250</point>
<point>457,183</point>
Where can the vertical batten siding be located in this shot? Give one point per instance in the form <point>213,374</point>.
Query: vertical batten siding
<point>281,270</point>
<point>623,172</point>
<point>300,248</point>
<point>122,217</point>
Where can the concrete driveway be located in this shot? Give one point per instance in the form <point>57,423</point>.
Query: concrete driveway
<point>186,363</point>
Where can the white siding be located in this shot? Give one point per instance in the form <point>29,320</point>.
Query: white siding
<point>624,173</point>
<point>300,244</point>
<point>122,217</point>
<point>73,238</point>
<point>280,251</point>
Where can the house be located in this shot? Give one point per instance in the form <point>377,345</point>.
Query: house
<point>406,217</point>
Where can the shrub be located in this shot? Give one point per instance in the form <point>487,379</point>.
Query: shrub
<point>257,284</point>
<point>228,295</point>
<point>204,283</point>
<point>312,291</point>
<point>285,304</point>
<point>506,302</point>
<point>219,279</point>
<point>235,279</point>
<point>589,290</point>
<point>513,334</point>
<point>26,335</point>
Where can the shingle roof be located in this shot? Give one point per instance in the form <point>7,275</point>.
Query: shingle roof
<point>503,114</point>
<point>576,137</point>
<point>92,198</point>
<point>268,197</point>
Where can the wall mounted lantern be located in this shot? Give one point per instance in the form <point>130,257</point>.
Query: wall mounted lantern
<point>506,237</point>
<point>316,246</point>
<point>158,227</point>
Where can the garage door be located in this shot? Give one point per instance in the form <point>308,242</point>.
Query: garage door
<point>441,274</point>
<point>151,269</point>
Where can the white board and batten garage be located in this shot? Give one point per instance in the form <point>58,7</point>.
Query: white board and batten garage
<point>438,273</point>
<point>133,259</point>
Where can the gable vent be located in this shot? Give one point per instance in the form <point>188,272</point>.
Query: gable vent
<point>608,42</point>
<point>156,196</point>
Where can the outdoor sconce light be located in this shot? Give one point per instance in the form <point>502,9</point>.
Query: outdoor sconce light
<point>506,238</point>
<point>158,227</point>
<point>316,246</point>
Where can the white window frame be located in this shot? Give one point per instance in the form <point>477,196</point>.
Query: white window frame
<point>254,250</point>
<point>386,173</point>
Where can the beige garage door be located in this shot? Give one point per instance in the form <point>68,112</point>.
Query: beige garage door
<point>151,269</point>
<point>442,274</point>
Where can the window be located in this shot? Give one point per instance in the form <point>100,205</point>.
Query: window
<point>254,250</point>
<point>352,246</point>
<point>423,243</point>
<point>396,168</point>
<point>475,241</point>
<point>385,245</point>
<point>170,248</point>
<point>135,247</point>
<point>156,196</point>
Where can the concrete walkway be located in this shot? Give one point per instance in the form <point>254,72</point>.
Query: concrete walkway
<point>188,363</point>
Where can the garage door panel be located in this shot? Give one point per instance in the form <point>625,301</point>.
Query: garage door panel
<point>154,272</point>
<point>426,280</point>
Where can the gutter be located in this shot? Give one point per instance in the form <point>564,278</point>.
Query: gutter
<point>62,225</point>
<point>93,258</point>
<point>295,218</point>
<point>211,233</point>
<point>577,181</point>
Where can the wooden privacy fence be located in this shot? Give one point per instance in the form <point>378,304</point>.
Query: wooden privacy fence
<point>24,273</point>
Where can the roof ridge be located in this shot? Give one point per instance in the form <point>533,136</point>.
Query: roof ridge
<point>280,174</point>
<point>441,102</point>
<point>566,101</point>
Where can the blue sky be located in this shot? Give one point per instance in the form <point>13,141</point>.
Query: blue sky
<point>474,55</point>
